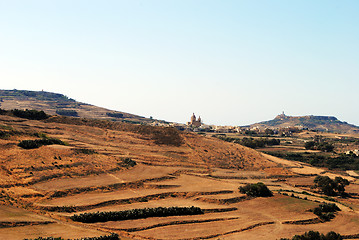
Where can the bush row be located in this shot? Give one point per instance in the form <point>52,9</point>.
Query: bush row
<point>135,214</point>
<point>28,114</point>
<point>31,144</point>
<point>314,235</point>
<point>112,236</point>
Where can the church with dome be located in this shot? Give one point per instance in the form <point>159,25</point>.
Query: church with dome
<point>194,121</point>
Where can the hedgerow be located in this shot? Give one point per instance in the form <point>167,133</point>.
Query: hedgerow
<point>135,214</point>
<point>30,114</point>
<point>31,144</point>
<point>112,236</point>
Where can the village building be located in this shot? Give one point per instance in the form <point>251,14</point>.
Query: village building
<point>194,121</point>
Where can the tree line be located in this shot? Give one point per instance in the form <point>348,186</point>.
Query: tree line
<point>251,142</point>
<point>331,187</point>
<point>322,146</point>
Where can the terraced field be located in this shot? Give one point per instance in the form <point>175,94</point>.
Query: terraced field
<point>42,188</point>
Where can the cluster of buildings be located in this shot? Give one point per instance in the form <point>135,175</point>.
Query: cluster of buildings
<point>196,125</point>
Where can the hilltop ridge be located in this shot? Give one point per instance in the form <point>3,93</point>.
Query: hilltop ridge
<point>59,104</point>
<point>56,103</point>
<point>311,122</point>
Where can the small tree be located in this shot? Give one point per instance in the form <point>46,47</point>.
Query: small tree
<point>340,185</point>
<point>331,187</point>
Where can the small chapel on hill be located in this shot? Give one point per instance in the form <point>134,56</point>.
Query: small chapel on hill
<point>195,122</point>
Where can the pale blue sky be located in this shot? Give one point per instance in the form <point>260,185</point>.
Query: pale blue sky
<point>232,62</point>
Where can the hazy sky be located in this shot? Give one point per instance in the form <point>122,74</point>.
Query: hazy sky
<point>232,62</point>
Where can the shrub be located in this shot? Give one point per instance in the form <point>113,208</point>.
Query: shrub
<point>135,214</point>
<point>127,162</point>
<point>326,211</point>
<point>256,190</point>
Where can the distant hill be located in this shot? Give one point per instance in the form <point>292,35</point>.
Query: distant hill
<point>55,103</point>
<point>320,123</point>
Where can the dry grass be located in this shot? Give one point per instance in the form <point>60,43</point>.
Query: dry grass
<point>201,171</point>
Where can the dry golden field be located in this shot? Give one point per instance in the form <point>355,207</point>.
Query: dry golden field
<point>41,188</point>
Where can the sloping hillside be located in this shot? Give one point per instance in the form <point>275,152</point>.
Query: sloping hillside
<point>99,166</point>
<point>55,103</point>
<point>111,141</point>
<point>320,123</point>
